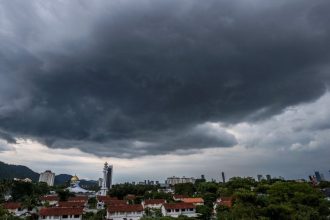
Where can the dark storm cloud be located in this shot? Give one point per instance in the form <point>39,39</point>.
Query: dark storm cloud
<point>142,77</point>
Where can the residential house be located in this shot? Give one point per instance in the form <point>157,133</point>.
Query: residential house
<point>15,208</point>
<point>194,201</point>
<point>176,209</point>
<point>125,212</point>
<point>59,213</point>
<point>50,199</point>
<point>179,198</point>
<point>153,203</point>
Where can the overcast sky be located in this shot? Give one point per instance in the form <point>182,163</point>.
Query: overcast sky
<point>166,87</point>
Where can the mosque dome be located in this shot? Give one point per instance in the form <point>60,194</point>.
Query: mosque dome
<point>74,179</point>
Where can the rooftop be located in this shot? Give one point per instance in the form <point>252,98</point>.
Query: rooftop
<point>125,208</point>
<point>60,211</point>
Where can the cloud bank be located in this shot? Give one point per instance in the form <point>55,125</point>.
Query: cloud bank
<point>134,78</point>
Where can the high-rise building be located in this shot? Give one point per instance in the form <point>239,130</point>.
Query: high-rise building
<point>175,180</point>
<point>223,177</point>
<point>268,177</point>
<point>47,177</point>
<point>318,176</point>
<point>109,176</point>
<point>259,177</point>
<point>107,179</point>
<point>100,182</point>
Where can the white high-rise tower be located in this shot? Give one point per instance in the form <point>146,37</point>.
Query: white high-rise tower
<point>104,188</point>
<point>47,177</point>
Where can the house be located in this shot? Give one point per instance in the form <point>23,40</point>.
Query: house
<point>179,198</point>
<point>153,203</point>
<point>223,201</point>
<point>15,208</point>
<point>125,212</point>
<point>78,199</point>
<point>50,199</point>
<point>103,200</point>
<point>131,197</point>
<point>78,204</point>
<point>61,213</point>
<point>176,209</point>
<point>194,201</point>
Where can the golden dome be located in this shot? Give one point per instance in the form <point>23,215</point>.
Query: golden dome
<point>74,178</point>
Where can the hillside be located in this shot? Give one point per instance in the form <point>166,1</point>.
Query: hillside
<point>9,171</point>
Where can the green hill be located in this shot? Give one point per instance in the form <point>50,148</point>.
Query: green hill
<point>9,171</point>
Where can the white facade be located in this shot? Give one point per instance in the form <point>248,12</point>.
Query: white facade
<point>61,217</point>
<point>104,189</point>
<point>106,182</point>
<point>47,177</point>
<point>175,180</point>
<point>125,215</point>
<point>176,212</point>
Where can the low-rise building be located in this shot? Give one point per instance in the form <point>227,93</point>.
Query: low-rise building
<point>50,199</point>
<point>153,203</point>
<point>15,208</point>
<point>223,201</point>
<point>61,213</point>
<point>128,212</point>
<point>177,209</point>
<point>179,198</point>
<point>194,201</point>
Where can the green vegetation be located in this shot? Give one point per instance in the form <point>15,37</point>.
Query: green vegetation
<point>271,200</point>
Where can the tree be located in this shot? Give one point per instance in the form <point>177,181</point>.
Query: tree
<point>184,189</point>
<point>92,202</point>
<point>64,195</point>
<point>205,211</point>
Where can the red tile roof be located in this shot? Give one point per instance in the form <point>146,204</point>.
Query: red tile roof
<point>115,202</point>
<point>226,201</point>
<point>49,198</point>
<point>12,205</point>
<point>181,205</point>
<point>154,201</point>
<point>60,211</point>
<point>180,196</point>
<point>125,208</point>
<point>78,198</point>
<point>130,197</point>
<point>105,198</point>
<point>72,204</point>
<point>193,200</point>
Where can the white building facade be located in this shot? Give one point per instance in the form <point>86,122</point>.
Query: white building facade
<point>61,214</point>
<point>177,209</point>
<point>128,212</point>
<point>47,177</point>
<point>106,180</point>
<point>176,180</point>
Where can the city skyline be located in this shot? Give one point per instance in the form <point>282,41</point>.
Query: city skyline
<point>161,88</point>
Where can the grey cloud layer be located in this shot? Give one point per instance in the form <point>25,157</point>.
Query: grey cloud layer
<point>131,78</point>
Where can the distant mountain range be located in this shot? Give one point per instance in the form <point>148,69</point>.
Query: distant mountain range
<point>9,171</point>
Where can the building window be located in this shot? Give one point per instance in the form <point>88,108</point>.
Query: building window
<point>182,210</point>
<point>76,216</point>
<point>191,209</point>
<point>168,210</point>
<point>64,216</point>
